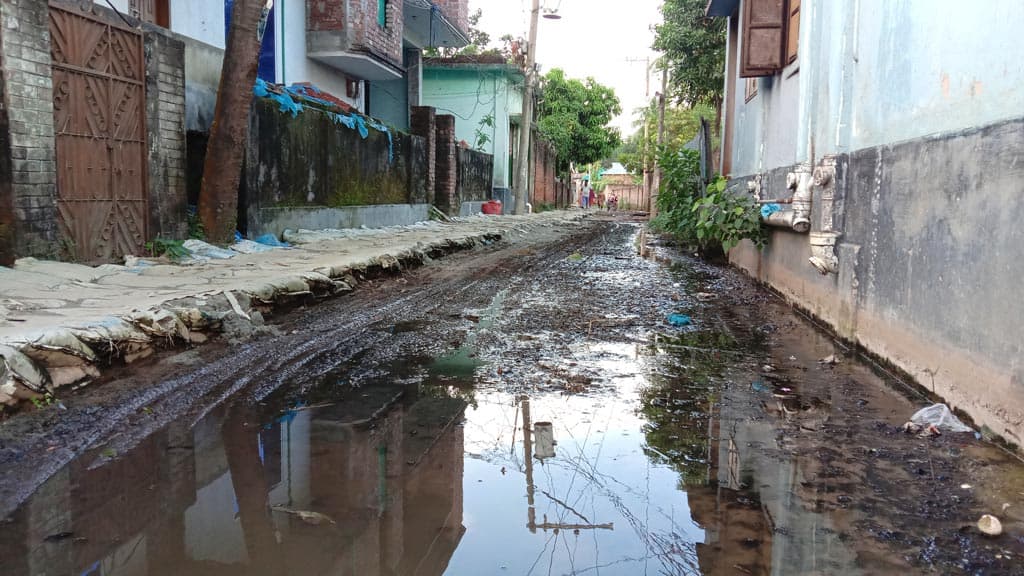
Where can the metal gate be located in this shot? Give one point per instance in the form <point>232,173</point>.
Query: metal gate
<point>99,123</point>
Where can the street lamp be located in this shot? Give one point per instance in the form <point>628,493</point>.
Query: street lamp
<point>526,121</point>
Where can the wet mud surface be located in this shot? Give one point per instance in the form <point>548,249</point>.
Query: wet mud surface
<point>521,411</point>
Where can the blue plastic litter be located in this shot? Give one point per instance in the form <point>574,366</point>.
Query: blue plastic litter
<point>238,236</point>
<point>271,240</point>
<point>760,386</point>
<point>283,99</point>
<point>679,319</point>
<point>769,209</point>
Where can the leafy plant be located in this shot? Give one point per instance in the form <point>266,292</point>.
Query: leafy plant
<point>705,217</point>
<point>195,226</point>
<point>173,249</point>
<point>726,218</point>
<point>482,138</point>
<point>43,401</point>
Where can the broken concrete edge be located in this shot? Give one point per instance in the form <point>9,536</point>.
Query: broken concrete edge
<point>68,358</point>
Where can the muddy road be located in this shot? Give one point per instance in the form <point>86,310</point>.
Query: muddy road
<point>524,409</point>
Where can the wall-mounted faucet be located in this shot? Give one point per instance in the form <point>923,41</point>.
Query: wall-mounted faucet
<point>823,242</point>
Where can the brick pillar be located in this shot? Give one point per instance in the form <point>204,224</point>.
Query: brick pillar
<point>28,99</point>
<point>165,134</point>
<point>446,166</point>
<point>423,123</point>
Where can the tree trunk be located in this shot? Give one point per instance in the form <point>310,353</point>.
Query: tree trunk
<point>218,195</point>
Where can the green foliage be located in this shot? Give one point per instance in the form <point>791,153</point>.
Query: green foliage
<point>173,249</point>
<point>726,218</point>
<point>694,47</point>
<point>482,138</point>
<point>574,116</point>
<point>681,125</point>
<point>703,217</point>
<point>195,226</point>
<point>47,399</point>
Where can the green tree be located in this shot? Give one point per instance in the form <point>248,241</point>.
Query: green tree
<point>574,115</point>
<point>681,125</point>
<point>694,48</point>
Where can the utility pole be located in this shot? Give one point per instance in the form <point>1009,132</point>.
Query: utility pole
<point>526,122</point>
<point>645,153</point>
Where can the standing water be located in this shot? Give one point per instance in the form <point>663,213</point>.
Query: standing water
<point>564,426</point>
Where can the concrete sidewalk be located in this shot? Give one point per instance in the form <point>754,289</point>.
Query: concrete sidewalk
<point>60,323</point>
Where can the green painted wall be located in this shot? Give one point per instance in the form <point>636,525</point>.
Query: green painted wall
<point>471,93</point>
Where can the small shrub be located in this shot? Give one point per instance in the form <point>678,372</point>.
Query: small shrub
<point>173,249</point>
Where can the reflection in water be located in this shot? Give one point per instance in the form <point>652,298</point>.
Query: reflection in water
<point>314,491</point>
<point>580,447</point>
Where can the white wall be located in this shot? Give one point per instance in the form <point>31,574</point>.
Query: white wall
<point>292,64</point>
<point>199,19</point>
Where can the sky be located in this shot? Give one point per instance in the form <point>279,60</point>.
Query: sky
<point>600,38</point>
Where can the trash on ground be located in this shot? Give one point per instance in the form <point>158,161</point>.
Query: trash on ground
<point>271,240</point>
<point>831,360</point>
<point>307,516</point>
<point>575,256</point>
<point>760,386</point>
<point>990,525</point>
<point>922,430</point>
<point>250,247</point>
<point>207,250</point>
<point>705,296</point>
<point>768,368</point>
<point>941,416</point>
<point>679,319</point>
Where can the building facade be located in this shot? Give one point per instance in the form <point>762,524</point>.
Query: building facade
<point>895,131</point>
<point>486,97</point>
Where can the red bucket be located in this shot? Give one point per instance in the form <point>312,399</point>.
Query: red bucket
<point>491,207</point>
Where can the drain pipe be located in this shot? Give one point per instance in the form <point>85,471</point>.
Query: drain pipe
<point>823,242</point>
<point>798,217</point>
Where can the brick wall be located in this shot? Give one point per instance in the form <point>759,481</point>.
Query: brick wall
<point>544,158</point>
<point>457,12</point>
<point>423,123</point>
<point>165,122</point>
<point>446,166</point>
<point>28,98</point>
<point>353,25</point>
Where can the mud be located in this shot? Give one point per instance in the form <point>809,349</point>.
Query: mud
<point>400,430</point>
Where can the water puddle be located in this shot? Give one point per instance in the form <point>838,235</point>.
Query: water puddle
<point>573,431</point>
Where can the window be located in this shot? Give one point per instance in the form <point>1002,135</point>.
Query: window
<point>750,90</point>
<point>770,35</point>
<point>792,31</point>
<point>382,13</point>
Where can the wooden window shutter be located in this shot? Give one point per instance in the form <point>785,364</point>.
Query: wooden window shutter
<point>793,31</point>
<point>763,37</point>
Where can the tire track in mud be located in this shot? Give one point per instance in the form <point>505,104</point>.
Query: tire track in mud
<point>120,413</point>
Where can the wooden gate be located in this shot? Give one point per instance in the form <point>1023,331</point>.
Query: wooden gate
<point>99,122</point>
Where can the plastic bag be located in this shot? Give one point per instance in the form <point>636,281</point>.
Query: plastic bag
<point>941,417</point>
<point>205,250</point>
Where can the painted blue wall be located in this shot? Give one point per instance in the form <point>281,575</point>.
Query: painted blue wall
<point>872,72</point>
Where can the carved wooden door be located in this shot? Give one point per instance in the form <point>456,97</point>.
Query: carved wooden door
<point>99,124</point>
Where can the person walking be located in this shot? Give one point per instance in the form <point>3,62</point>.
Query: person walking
<point>585,193</point>
<point>592,198</point>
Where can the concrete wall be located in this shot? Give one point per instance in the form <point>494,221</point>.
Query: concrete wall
<point>472,93</point>
<point>201,20</point>
<point>928,134</point>
<point>930,261</point>
<point>203,64</point>
<point>309,163</point>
